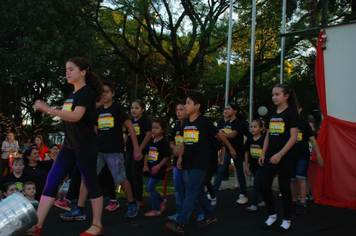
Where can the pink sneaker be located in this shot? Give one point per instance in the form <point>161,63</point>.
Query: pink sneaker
<point>113,205</point>
<point>162,205</point>
<point>64,204</point>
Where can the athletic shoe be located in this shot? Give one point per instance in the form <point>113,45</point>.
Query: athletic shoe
<point>76,214</point>
<point>153,213</point>
<point>242,199</point>
<point>262,204</point>
<point>294,207</point>
<point>172,218</point>
<point>251,208</point>
<point>175,227</point>
<point>163,205</point>
<point>132,211</point>
<point>140,204</point>
<point>207,222</point>
<point>301,210</point>
<point>235,188</point>
<point>200,217</point>
<point>213,201</point>
<point>64,204</point>
<point>208,196</point>
<point>113,205</point>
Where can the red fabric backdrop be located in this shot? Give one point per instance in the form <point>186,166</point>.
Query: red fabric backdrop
<point>335,184</point>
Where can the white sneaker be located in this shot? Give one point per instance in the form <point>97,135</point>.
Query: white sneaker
<point>242,199</point>
<point>213,201</point>
<point>208,196</point>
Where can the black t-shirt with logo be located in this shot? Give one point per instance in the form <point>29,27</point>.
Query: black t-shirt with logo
<point>110,121</point>
<point>279,126</point>
<point>302,144</point>
<point>141,126</point>
<point>215,146</point>
<point>81,134</point>
<point>254,148</point>
<point>196,142</point>
<point>156,152</point>
<point>238,141</point>
<point>177,138</point>
<point>20,181</point>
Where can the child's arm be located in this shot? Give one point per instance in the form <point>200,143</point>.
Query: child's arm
<point>146,140</point>
<point>223,152</point>
<point>175,149</point>
<point>319,159</point>
<point>261,160</point>
<point>155,169</point>
<point>230,135</point>
<point>145,166</point>
<point>247,169</point>
<point>137,151</point>
<point>293,138</point>
<point>227,144</point>
<point>180,158</point>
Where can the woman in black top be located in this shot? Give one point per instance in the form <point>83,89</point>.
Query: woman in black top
<point>78,116</point>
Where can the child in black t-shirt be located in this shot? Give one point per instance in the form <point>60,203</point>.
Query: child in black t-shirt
<point>133,164</point>
<point>253,151</point>
<point>195,157</point>
<point>29,191</point>
<point>7,189</point>
<point>155,166</point>
<point>17,176</point>
<point>299,176</point>
<point>279,154</point>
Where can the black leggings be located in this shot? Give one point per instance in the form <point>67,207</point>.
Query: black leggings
<point>86,161</point>
<point>134,175</point>
<point>284,168</point>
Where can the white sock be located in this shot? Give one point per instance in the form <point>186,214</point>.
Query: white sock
<point>213,201</point>
<point>286,224</point>
<point>271,219</point>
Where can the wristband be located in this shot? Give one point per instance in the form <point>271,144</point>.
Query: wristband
<point>280,154</point>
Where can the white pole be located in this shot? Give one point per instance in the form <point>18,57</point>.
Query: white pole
<point>228,58</point>
<point>252,64</point>
<point>283,42</point>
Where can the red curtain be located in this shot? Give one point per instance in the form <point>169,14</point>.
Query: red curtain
<point>335,184</point>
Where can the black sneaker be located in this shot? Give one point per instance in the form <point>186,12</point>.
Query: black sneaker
<point>294,207</point>
<point>301,210</point>
<point>175,227</point>
<point>207,222</point>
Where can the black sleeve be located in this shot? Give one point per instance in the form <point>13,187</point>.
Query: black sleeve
<point>85,98</point>
<point>294,118</point>
<point>247,145</point>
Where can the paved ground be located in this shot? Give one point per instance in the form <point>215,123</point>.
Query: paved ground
<point>232,220</point>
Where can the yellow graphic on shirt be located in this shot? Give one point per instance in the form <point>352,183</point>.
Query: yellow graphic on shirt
<point>255,152</point>
<point>276,127</point>
<point>105,122</point>
<point>178,140</point>
<point>228,130</point>
<point>153,155</point>
<point>191,136</point>
<point>300,136</point>
<point>137,129</point>
<point>67,106</point>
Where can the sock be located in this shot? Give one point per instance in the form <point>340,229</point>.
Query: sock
<point>213,201</point>
<point>286,224</point>
<point>271,219</point>
<point>80,208</point>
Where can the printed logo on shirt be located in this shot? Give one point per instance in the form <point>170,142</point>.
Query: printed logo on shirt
<point>153,154</point>
<point>178,140</point>
<point>105,121</point>
<point>276,126</point>
<point>310,147</point>
<point>227,129</point>
<point>137,129</point>
<point>255,151</point>
<point>19,186</point>
<point>300,136</point>
<point>191,135</point>
<point>67,106</point>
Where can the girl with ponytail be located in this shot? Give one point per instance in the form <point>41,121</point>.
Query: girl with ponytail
<point>78,116</point>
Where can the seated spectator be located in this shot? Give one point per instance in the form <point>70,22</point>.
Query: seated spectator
<point>36,170</point>
<point>27,144</point>
<point>7,189</point>
<point>17,176</point>
<point>41,147</point>
<point>29,190</point>
<point>52,153</point>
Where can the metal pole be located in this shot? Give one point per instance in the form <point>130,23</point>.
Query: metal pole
<point>252,64</point>
<point>283,42</point>
<point>228,58</point>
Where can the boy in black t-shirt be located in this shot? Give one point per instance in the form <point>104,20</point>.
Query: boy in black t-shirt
<point>195,157</point>
<point>17,176</point>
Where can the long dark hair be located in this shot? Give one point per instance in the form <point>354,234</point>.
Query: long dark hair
<point>240,115</point>
<point>142,105</point>
<point>91,79</point>
<point>292,98</point>
<point>26,154</point>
